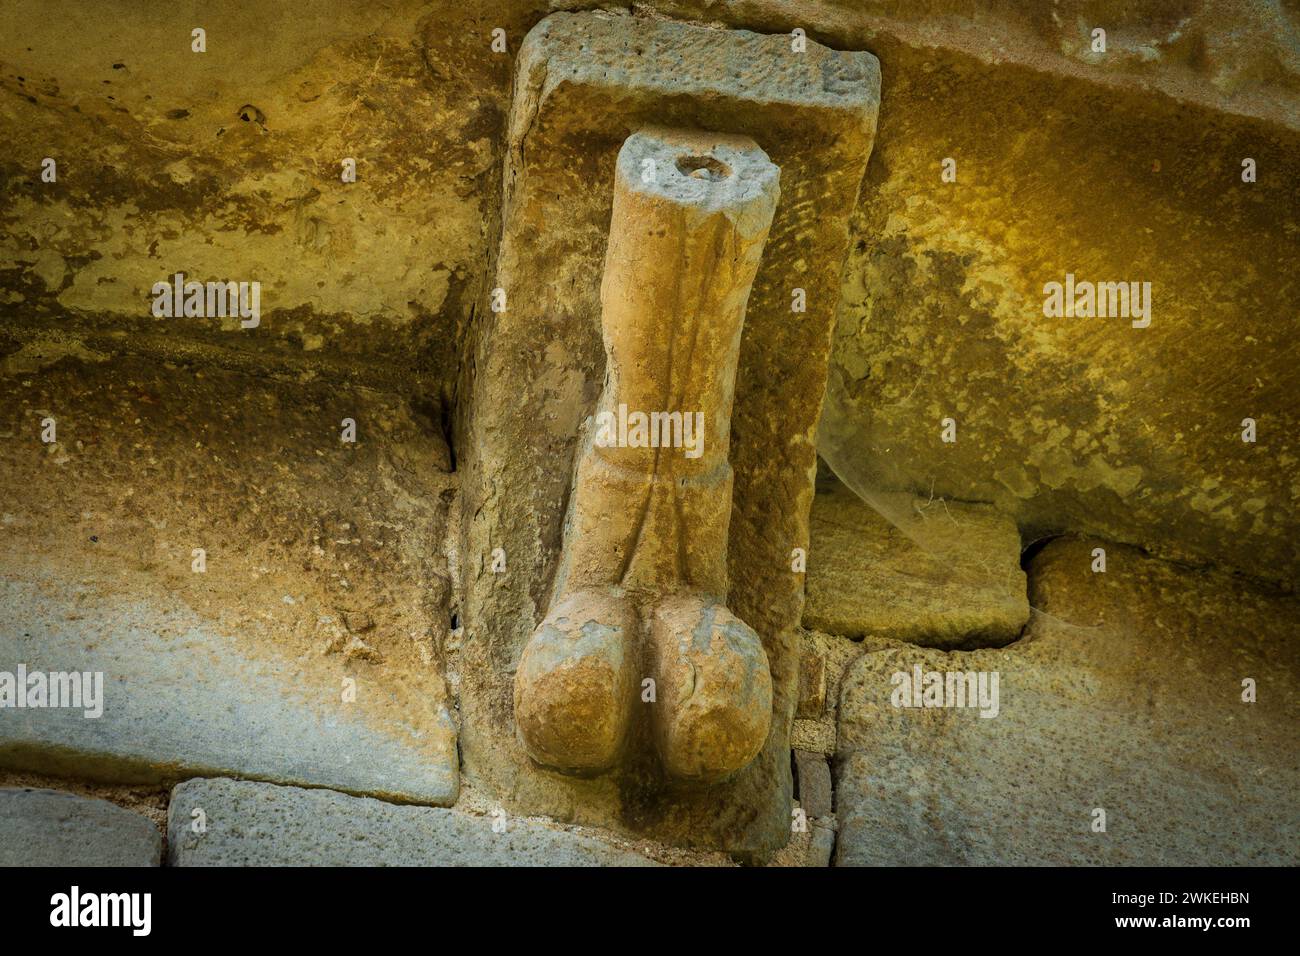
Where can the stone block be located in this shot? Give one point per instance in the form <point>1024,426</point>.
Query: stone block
<point>53,828</point>
<point>260,824</point>
<point>812,686</point>
<point>181,699</point>
<point>1125,696</point>
<point>946,575</point>
<point>814,783</point>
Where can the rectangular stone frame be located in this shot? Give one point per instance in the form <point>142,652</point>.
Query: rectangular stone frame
<point>583,83</point>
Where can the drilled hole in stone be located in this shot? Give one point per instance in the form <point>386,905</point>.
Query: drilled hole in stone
<point>703,167</point>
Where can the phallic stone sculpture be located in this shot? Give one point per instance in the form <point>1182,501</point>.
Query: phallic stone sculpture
<point>534,382</point>
<point>641,587</point>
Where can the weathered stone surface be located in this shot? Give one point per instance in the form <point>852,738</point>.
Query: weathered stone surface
<point>812,685</point>
<point>947,575</point>
<point>259,824</point>
<point>1236,57</point>
<point>1125,696</point>
<point>818,734</point>
<point>812,847</point>
<point>181,699</point>
<point>823,846</point>
<point>646,535</point>
<point>235,665</point>
<point>583,84</point>
<point>578,680</point>
<point>160,166</point>
<point>308,539</point>
<point>713,703</point>
<point>52,828</point>
<point>813,774</point>
<point>1074,423</point>
<point>227,164</point>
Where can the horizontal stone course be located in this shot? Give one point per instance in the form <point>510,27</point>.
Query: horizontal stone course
<point>53,828</point>
<point>1125,696</point>
<point>259,824</point>
<point>181,700</point>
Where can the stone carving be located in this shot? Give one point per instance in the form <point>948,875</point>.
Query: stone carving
<point>540,539</point>
<point>643,571</point>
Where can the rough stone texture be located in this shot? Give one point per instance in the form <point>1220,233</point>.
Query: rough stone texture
<point>155,459</point>
<point>947,575</point>
<point>812,685</point>
<point>1075,423</point>
<point>823,846</point>
<point>52,828</point>
<point>258,824</point>
<point>1125,695</point>
<point>818,734</point>
<point>810,848</point>
<point>227,165</point>
<point>813,776</point>
<point>323,562</point>
<point>1235,56</point>
<point>581,88</point>
<point>1113,164</point>
<point>577,683</point>
<point>181,699</point>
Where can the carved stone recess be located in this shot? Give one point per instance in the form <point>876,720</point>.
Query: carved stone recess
<point>585,83</point>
